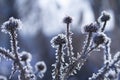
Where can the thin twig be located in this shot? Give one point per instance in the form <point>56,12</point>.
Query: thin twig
<point>69,46</point>
<point>103,28</point>
<point>6,54</point>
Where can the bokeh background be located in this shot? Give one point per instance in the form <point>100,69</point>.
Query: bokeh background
<point>43,19</point>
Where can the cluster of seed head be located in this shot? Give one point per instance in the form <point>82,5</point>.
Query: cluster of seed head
<point>95,38</point>
<point>21,60</point>
<point>99,37</point>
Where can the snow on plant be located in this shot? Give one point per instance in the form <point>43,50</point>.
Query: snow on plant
<point>41,68</point>
<point>67,63</point>
<point>21,60</point>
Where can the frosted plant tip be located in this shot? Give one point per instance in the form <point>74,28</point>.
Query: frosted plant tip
<point>11,25</point>
<point>41,66</point>
<point>25,56</point>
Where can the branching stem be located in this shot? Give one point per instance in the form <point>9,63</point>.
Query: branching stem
<point>15,51</point>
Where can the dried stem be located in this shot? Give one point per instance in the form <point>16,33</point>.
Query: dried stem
<point>69,46</point>
<point>15,51</point>
<point>100,75</point>
<point>107,55</point>
<point>81,60</point>
<point>58,65</point>
<point>105,69</point>
<point>103,28</point>
<point>89,51</point>
<point>72,67</point>
<point>6,54</point>
<point>88,40</point>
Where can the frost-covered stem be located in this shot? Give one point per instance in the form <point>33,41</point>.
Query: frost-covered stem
<point>89,51</point>
<point>103,28</point>
<point>87,43</point>
<point>72,67</point>
<point>6,54</point>
<point>58,63</point>
<point>13,71</point>
<point>105,69</point>
<point>115,60</point>
<point>101,73</point>
<point>107,58</point>
<point>69,45</point>
<point>26,64</point>
<point>81,60</point>
<point>15,51</point>
<point>107,55</point>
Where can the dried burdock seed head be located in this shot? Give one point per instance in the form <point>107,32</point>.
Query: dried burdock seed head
<point>93,27</point>
<point>41,66</point>
<point>11,25</point>
<point>58,40</point>
<point>100,38</point>
<point>67,20</point>
<point>25,56</point>
<point>104,16</point>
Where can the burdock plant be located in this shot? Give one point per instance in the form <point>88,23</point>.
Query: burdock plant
<point>21,60</point>
<point>67,63</point>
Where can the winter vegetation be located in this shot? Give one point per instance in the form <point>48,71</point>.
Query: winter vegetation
<point>59,40</point>
<point>67,62</point>
<point>21,60</point>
